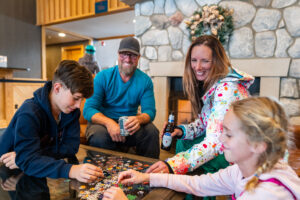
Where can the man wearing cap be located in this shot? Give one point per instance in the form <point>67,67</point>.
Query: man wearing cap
<point>88,60</point>
<point>119,91</point>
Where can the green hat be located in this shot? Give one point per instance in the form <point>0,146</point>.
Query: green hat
<point>90,49</point>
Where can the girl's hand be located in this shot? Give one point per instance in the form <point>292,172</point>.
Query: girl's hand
<point>114,193</point>
<point>132,177</point>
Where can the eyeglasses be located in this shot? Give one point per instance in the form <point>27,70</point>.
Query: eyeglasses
<point>124,55</point>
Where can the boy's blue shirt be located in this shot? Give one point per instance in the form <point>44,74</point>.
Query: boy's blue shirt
<point>114,98</point>
<point>39,142</point>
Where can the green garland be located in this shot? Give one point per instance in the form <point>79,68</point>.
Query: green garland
<point>213,20</point>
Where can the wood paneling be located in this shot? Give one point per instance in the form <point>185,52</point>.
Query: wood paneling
<point>116,5</point>
<point>23,91</point>
<point>12,95</point>
<point>56,11</point>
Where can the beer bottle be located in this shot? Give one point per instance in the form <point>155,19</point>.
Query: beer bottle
<point>167,138</point>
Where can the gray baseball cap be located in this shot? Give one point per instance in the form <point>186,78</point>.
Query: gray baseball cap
<point>130,44</point>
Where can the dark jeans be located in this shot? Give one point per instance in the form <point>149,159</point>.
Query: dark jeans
<point>146,139</point>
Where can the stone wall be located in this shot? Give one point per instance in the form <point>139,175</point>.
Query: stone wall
<point>263,29</point>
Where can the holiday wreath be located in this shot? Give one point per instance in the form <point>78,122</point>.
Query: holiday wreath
<point>213,20</point>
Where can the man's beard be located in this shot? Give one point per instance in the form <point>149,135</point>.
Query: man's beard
<point>127,71</point>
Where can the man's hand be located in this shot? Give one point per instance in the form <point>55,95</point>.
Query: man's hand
<point>86,173</point>
<point>132,125</point>
<point>9,159</point>
<point>114,131</point>
<point>114,193</point>
<point>158,167</point>
<point>130,177</point>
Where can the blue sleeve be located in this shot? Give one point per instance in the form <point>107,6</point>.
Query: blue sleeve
<point>70,138</point>
<point>93,104</point>
<point>28,152</point>
<point>148,101</point>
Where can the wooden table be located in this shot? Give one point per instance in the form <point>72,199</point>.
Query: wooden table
<point>157,193</point>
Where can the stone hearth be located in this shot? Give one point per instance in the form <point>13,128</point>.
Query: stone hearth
<point>269,70</point>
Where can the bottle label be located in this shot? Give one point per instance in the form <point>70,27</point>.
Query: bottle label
<point>167,139</point>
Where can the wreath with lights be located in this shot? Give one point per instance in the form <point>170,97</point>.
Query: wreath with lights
<point>211,20</point>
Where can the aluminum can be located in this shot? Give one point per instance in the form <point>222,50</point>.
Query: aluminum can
<point>122,121</point>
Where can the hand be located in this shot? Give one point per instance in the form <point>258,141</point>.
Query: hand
<point>158,167</point>
<point>86,173</point>
<point>132,125</point>
<point>177,132</point>
<point>9,159</point>
<point>10,183</point>
<point>114,193</point>
<point>114,131</point>
<point>130,177</point>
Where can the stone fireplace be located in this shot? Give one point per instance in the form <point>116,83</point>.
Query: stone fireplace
<point>265,43</point>
<point>269,70</point>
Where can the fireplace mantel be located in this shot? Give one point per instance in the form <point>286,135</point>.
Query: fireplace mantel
<point>269,70</point>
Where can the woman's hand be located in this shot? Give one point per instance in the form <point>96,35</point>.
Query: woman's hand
<point>86,173</point>
<point>177,132</point>
<point>158,167</point>
<point>114,193</point>
<point>132,177</point>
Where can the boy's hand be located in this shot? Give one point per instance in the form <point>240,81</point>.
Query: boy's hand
<point>9,159</point>
<point>114,193</point>
<point>132,125</point>
<point>132,177</point>
<point>86,173</point>
<point>158,167</point>
<point>114,131</point>
<point>10,183</point>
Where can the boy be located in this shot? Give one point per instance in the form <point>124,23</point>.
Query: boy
<point>46,128</point>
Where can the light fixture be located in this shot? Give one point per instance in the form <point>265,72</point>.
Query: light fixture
<point>61,34</point>
<point>134,21</point>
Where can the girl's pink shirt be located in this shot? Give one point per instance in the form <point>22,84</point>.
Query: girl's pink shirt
<point>230,181</point>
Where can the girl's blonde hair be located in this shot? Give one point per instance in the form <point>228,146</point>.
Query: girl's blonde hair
<point>263,120</point>
<point>220,68</point>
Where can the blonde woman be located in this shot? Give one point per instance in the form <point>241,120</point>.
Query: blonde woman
<point>255,140</point>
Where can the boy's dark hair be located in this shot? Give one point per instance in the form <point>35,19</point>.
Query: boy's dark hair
<point>75,77</point>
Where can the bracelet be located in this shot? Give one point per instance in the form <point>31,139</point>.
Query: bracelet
<point>169,167</point>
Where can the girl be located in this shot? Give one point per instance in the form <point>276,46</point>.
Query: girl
<point>254,139</point>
